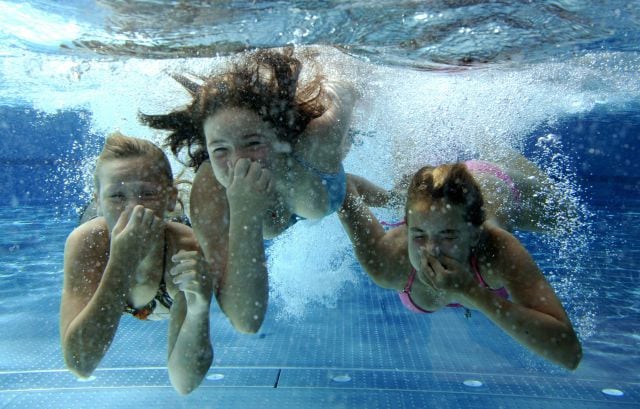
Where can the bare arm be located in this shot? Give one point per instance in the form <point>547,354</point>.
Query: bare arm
<point>189,351</point>
<point>95,288</point>
<point>371,194</point>
<point>92,303</point>
<point>533,316</point>
<point>383,255</point>
<point>231,239</point>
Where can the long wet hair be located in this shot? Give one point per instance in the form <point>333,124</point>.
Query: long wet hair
<point>265,82</point>
<point>451,182</point>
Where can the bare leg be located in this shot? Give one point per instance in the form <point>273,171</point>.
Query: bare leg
<point>543,207</point>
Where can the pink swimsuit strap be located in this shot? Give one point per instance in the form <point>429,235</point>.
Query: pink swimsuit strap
<point>478,166</point>
<point>394,224</point>
<point>407,301</point>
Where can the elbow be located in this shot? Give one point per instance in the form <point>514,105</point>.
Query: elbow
<point>245,318</point>
<point>82,368</point>
<point>381,282</point>
<point>379,278</point>
<point>571,354</point>
<point>185,388</point>
<point>77,355</point>
<point>574,357</point>
<point>247,326</point>
<point>82,372</point>
<point>185,380</point>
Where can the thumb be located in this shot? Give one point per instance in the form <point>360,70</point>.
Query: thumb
<point>231,172</point>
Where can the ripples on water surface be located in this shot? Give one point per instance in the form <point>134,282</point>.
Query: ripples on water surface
<point>411,33</point>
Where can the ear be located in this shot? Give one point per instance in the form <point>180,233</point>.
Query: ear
<point>96,201</point>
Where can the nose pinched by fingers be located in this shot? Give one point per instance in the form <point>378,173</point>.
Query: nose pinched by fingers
<point>427,275</point>
<point>241,167</point>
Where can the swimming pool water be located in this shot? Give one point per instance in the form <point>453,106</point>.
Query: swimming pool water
<point>367,351</point>
<point>557,80</point>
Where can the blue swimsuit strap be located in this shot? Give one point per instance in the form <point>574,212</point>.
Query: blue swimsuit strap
<point>335,183</point>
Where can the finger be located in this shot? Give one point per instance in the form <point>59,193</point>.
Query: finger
<point>136,215</point>
<point>231,172</point>
<point>254,172</point>
<point>184,255</point>
<point>424,256</point>
<point>427,276</point>
<point>123,219</point>
<point>158,225</point>
<point>187,281</point>
<point>450,263</point>
<point>270,183</point>
<point>182,266</point>
<point>436,265</point>
<point>242,167</point>
<point>186,275</point>
<point>147,217</point>
<point>264,180</point>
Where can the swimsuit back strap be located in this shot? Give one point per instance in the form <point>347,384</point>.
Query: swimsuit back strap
<point>491,169</point>
<point>476,271</point>
<point>501,292</point>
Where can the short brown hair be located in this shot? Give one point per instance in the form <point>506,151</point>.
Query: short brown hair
<point>452,182</point>
<point>119,146</point>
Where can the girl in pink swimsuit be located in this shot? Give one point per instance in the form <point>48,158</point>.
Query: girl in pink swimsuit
<point>447,254</point>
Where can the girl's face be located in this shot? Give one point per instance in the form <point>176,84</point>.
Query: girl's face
<point>133,181</point>
<point>235,133</point>
<point>439,229</point>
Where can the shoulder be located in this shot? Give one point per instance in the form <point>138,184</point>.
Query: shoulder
<point>397,240</point>
<point>86,252</point>
<point>497,241</point>
<point>398,264</point>
<point>205,182</point>
<point>89,235</point>
<point>504,256</point>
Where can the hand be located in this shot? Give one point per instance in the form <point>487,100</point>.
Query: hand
<point>193,276</point>
<point>444,273</point>
<point>135,234</point>
<point>250,187</point>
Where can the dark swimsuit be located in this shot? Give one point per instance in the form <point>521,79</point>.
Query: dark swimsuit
<point>407,301</point>
<point>162,296</point>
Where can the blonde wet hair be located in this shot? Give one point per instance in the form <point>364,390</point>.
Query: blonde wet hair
<point>119,146</point>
